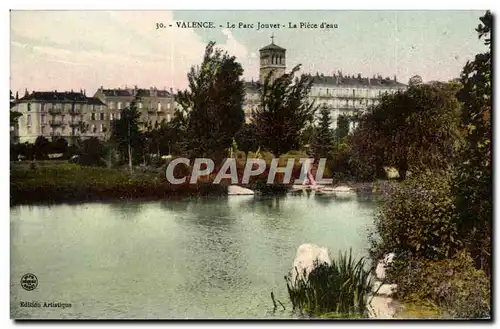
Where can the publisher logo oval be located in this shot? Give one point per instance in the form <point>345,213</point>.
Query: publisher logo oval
<point>29,281</point>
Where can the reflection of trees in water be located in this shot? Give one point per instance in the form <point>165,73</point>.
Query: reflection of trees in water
<point>175,205</point>
<point>128,209</point>
<point>255,203</point>
<point>212,244</point>
<point>324,200</point>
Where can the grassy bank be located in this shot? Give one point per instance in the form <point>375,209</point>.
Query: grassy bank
<point>52,182</point>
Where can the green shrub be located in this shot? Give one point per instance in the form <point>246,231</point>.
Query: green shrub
<point>454,285</point>
<point>418,219</point>
<point>341,288</point>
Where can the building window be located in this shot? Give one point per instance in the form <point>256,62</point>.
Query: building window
<point>168,106</point>
<point>111,116</point>
<point>168,118</point>
<point>119,105</point>
<point>29,106</point>
<point>42,130</point>
<point>111,105</point>
<point>62,118</point>
<point>91,107</point>
<point>159,106</point>
<point>43,118</point>
<point>101,116</point>
<point>94,128</point>
<point>119,115</point>
<point>29,120</point>
<point>139,105</point>
<point>92,116</point>
<point>101,128</point>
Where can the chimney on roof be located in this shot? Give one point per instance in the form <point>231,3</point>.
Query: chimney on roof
<point>395,79</point>
<point>26,92</point>
<point>17,95</point>
<point>171,90</point>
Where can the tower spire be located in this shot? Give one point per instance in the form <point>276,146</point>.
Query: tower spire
<point>272,38</point>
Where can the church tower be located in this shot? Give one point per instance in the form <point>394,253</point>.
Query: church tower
<point>272,57</point>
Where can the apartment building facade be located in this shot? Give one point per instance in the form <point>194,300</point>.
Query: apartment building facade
<point>56,115</point>
<point>154,105</point>
<point>344,95</point>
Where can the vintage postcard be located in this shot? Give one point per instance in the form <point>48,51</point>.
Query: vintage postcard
<point>279,164</point>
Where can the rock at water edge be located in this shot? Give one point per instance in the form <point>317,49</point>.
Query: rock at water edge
<point>305,258</point>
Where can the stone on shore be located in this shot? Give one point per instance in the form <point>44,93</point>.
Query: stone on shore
<point>383,265</point>
<point>381,307</point>
<point>238,190</point>
<point>305,259</point>
<point>385,289</point>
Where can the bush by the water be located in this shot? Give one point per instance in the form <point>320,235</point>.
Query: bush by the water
<point>61,182</point>
<point>418,222</point>
<point>454,285</point>
<point>419,219</point>
<point>341,288</point>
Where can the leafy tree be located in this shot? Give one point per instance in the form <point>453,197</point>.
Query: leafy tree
<point>474,181</point>
<point>367,153</point>
<point>416,129</point>
<point>92,152</point>
<point>246,138</point>
<point>125,132</point>
<point>342,127</point>
<point>60,145</point>
<point>307,136</point>
<point>415,80</point>
<point>42,148</point>
<point>323,138</point>
<point>213,105</point>
<point>284,111</point>
<point>152,138</point>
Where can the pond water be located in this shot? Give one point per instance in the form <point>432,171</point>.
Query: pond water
<point>175,259</point>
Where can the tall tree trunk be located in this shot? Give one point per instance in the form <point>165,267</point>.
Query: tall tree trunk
<point>129,157</point>
<point>402,169</point>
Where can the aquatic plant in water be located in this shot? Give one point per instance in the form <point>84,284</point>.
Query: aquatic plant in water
<point>342,288</point>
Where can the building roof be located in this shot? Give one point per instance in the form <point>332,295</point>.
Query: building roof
<point>94,101</point>
<point>130,92</point>
<point>60,97</point>
<point>55,96</point>
<point>355,81</point>
<point>272,46</point>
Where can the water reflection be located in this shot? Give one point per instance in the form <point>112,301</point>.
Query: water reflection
<point>126,210</point>
<point>211,257</point>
